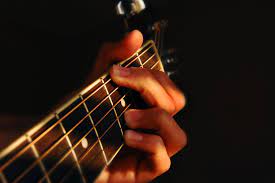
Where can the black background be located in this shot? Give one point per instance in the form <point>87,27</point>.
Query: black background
<point>47,48</point>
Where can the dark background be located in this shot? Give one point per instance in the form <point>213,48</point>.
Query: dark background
<point>47,48</point>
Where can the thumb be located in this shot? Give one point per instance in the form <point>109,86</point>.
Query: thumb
<point>118,51</point>
<point>110,53</point>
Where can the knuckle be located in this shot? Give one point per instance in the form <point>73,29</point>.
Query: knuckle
<point>164,111</point>
<point>161,117</point>
<point>142,73</point>
<point>130,122</point>
<point>146,78</point>
<point>161,114</point>
<point>157,144</point>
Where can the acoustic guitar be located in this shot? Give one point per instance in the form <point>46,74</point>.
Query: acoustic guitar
<point>78,140</point>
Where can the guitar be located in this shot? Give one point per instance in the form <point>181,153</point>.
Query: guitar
<point>79,139</point>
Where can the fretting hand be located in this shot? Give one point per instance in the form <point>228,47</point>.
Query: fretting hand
<point>165,100</point>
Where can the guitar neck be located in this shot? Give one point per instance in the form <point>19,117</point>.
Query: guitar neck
<point>79,139</point>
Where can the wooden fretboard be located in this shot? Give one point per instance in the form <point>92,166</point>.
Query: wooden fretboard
<point>78,140</point>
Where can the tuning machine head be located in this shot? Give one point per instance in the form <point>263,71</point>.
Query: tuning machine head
<point>129,8</point>
<point>172,61</point>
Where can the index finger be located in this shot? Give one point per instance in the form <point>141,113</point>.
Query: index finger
<point>143,81</point>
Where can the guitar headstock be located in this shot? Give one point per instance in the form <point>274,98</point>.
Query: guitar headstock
<point>138,14</point>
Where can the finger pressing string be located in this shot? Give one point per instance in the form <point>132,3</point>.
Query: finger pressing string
<point>142,81</point>
<point>160,121</point>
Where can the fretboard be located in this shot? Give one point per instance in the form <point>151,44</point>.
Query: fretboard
<point>76,141</point>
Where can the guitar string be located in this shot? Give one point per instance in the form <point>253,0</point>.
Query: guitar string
<point>78,123</point>
<point>71,149</point>
<point>65,135</point>
<point>48,151</point>
<point>81,158</point>
<point>95,143</point>
<point>61,119</point>
<point>90,148</point>
<point>60,161</point>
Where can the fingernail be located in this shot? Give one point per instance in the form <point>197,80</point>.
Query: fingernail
<point>132,135</point>
<point>132,116</point>
<point>120,71</point>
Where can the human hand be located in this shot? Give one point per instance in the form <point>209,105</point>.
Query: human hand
<point>165,100</point>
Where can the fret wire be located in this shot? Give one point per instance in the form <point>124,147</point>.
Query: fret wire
<point>60,161</point>
<point>92,121</point>
<point>139,55</point>
<point>141,65</point>
<point>135,60</point>
<point>3,178</point>
<point>86,116</point>
<point>46,131</point>
<point>91,147</point>
<point>115,153</point>
<point>81,158</point>
<point>111,101</point>
<point>40,163</point>
<point>59,121</point>
<point>152,67</point>
<point>155,64</point>
<point>112,124</point>
<point>149,59</point>
<point>73,152</point>
<point>64,136</point>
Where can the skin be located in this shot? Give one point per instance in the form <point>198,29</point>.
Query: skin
<point>147,154</point>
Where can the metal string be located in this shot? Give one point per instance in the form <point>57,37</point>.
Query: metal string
<point>90,148</point>
<point>65,135</point>
<point>47,152</point>
<point>61,119</point>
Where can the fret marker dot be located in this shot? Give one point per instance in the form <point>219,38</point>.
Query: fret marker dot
<point>123,103</point>
<point>84,143</point>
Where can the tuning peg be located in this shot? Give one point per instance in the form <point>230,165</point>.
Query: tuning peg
<point>172,61</point>
<point>170,58</point>
<point>129,8</point>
